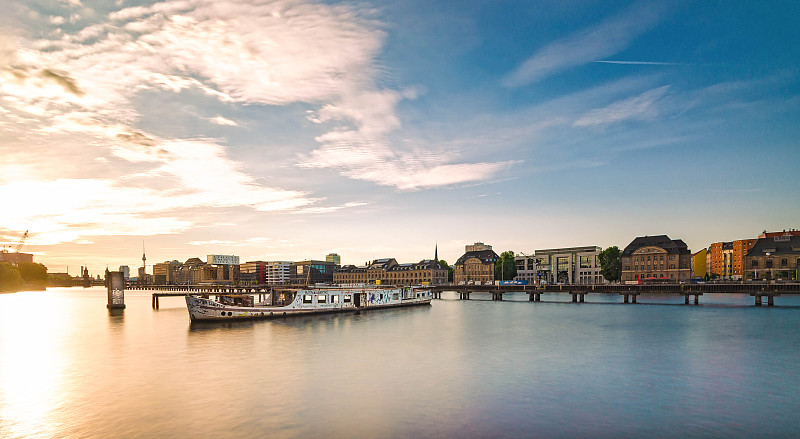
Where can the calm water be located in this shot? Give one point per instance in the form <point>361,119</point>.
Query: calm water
<point>453,369</point>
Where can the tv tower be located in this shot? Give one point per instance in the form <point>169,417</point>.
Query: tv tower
<point>144,265</point>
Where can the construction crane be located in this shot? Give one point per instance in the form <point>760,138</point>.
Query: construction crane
<point>21,242</point>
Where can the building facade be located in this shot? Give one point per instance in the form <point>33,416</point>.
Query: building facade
<point>311,272</point>
<point>222,260</point>
<point>253,273</point>
<point>726,259</point>
<point>16,257</point>
<point>476,265</point>
<point>656,258</point>
<point>166,273</point>
<point>774,258</point>
<point>279,272</point>
<point>389,271</point>
<point>570,265</point>
<point>333,257</point>
<point>699,264</point>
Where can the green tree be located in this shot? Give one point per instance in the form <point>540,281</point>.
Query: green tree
<point>10,279</point>
<point>33,272</point>
<point>450,270</point>
<point>506,267</point>
<point>610,263</point>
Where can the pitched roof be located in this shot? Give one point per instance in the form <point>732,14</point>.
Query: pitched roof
<point>778,245</point>
<point>486,256</point>
<point>672,246</point>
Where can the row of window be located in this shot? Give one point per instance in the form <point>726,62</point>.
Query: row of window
<point>308,298</point>
<point>655,258</point>
<point>768,263</point>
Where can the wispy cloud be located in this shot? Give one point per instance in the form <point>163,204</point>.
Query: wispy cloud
<point>604,39</point>
<point>641,107</point>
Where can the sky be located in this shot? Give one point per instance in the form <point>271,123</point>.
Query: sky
<point>287,130</point>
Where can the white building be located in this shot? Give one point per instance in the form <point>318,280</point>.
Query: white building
<point>278,272</point>
<point>572,265</point>
<point>222,260</point>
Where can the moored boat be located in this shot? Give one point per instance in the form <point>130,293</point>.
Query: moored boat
<point>304,302</point>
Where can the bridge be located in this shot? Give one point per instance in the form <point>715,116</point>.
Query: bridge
<point>629,293</point>
<point>757,290</point>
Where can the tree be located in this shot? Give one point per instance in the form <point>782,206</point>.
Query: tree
<point>450,270</point>
<point>33,273</point>
<point>506,267</point>
<point>10,279</point>
<point>610,263</point>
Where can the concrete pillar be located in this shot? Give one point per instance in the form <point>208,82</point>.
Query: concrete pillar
<point>116,290</point>
<point>770,300</point>
<point>686,299</point>
<point>633,298</point>
<point>758,299</point>
<point>696,299</point>
<point>574,297</point>
<point>625,300</point>
<point>582,297</point>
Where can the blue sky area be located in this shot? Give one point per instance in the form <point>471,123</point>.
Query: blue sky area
<point>285,130</point>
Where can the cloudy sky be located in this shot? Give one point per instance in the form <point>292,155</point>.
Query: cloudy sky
<point>285,130</point>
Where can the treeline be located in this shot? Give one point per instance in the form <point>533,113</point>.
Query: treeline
<point>25,276</point>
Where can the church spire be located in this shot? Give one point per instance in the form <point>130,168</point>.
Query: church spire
<point>436,253</point>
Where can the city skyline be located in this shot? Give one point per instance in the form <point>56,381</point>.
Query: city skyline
<point>287,130</point>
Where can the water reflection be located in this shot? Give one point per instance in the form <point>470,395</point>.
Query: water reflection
<point>453,369</point>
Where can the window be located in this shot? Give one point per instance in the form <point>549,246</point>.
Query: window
<point>768,264</point>
<point>784,262</point>
<point>335,298</point>
<point>586,262</point>
<point>347,298</point>
<point>307,298</point>
<point>322,299</point>
<point>754,263</point>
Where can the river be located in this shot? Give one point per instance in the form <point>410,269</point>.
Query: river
<point>454,369</point>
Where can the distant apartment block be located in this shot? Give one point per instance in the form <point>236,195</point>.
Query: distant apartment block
<point>222,260</point>
<point>253,273</point>
<point>656,258</point>
<point>126,271</point>
<point>726,259</point>
<point>279,272</point>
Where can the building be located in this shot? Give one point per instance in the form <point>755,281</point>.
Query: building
<point>776,257</point>
<point>477,247</point>
<point>569,265</point>
<point>166,273</point>
<point>279,272</point>
<point>699,264</point>
<point>389,271</point>
<point>476,265</point>
<point>790,232</point>
<point>16,257</point>
<point>656,258</point>
<point>526,268</point>
<point>222,260</point>
<point>333,257</point>
<point>126,271</point>
<point>726,259</point>
<point>253,273</point>
<point>311,272</point>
